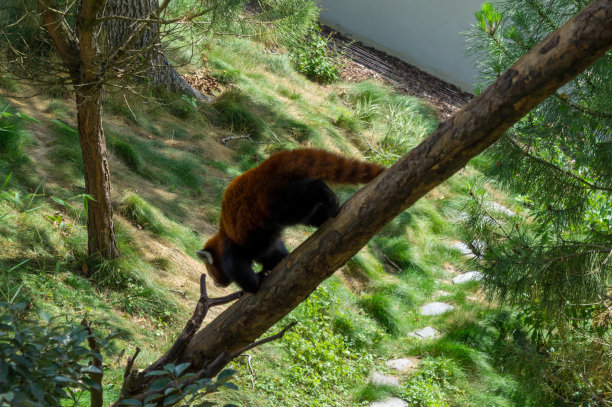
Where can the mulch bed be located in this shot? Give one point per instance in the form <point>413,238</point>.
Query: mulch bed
<point>365,62</point>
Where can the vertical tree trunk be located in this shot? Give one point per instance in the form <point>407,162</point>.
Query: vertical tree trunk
<point>100,226</point>
<point>147,48</point>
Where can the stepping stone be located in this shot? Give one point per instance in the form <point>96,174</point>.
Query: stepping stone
<point>464,249</point>
<point>403,365</point>
<point>469,276</point>
<point>390,402</point>
<point>425,333</point>
<point>500,208</point>
<point>380,379</point>
<point>462,216</point>
<point>436,308</point>
<point>479,245</point>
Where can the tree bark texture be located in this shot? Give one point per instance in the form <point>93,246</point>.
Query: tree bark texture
<point>145,53</point>
<point>79,51</point>
<point>100,226</point>
<point>549,65</point>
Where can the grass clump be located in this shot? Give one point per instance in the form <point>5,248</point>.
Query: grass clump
<point>127,153</point>
<point>233,112</point>
<point>145,215</point>
<point>155,161</point>
<point>13,139</point>
<point>66,148</point>
<point>383,309</point>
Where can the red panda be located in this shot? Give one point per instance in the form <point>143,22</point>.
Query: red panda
<point>286,189</point>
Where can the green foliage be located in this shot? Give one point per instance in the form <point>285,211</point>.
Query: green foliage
<point>42,362</point>
<point>320,366</point>
<point>380,307</point>
<point>314,58</point>
<point>175,386</point>
<point>431,385</point>
<point>552,259</point>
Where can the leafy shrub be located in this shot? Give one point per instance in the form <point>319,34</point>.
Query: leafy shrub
<point>320,366</point>
<point>174,385</point>
<point>314,59</point>
<point>42,364</point>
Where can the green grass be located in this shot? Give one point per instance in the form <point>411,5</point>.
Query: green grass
<point>150,218</point>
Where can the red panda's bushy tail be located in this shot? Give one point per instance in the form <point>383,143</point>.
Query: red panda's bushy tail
<point>313,163</point>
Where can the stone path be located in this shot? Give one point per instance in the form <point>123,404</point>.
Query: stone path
<point>403,365</point>
<point>380,379</point>
<point>390,402</point>
<point>425,333</point>
<point>435,308</point>
<point>495,207</point>
<point>407,365</point>
<point>469,276</point>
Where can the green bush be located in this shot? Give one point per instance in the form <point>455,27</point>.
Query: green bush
<point>42,362</point>
<point>314,59</point>
<point>432,385</point>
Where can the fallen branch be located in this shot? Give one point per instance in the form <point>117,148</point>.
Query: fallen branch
<point>130,364</point>
<point>226,139</point>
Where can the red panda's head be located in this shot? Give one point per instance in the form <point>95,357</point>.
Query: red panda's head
<point>211,255</point>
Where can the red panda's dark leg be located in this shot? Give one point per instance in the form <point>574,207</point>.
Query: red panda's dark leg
<point>275,253</point>
<point>238,267</point>
<point>326,206</point>
<point>307,201</point>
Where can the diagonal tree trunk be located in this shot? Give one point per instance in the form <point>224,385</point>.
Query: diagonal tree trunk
<point>549,65</point>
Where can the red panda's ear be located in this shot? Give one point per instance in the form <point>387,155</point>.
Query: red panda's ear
<point>205,256</point>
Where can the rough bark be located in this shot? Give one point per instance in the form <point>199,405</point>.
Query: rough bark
<point>79,52</point>
<point>100,227</point>
<point>145,54</point>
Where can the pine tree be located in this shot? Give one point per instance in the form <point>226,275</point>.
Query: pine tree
<point>554,258</point>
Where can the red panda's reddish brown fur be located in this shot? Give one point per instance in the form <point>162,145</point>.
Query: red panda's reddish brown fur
<point>249,202</point>
<point>246,200</point>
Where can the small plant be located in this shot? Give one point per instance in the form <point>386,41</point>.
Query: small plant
<point>432,384</point>
<point>314,58</point>
<point>42,362</point>
<point>175,387</point>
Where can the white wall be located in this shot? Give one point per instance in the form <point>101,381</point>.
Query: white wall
<point>424,33</point>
